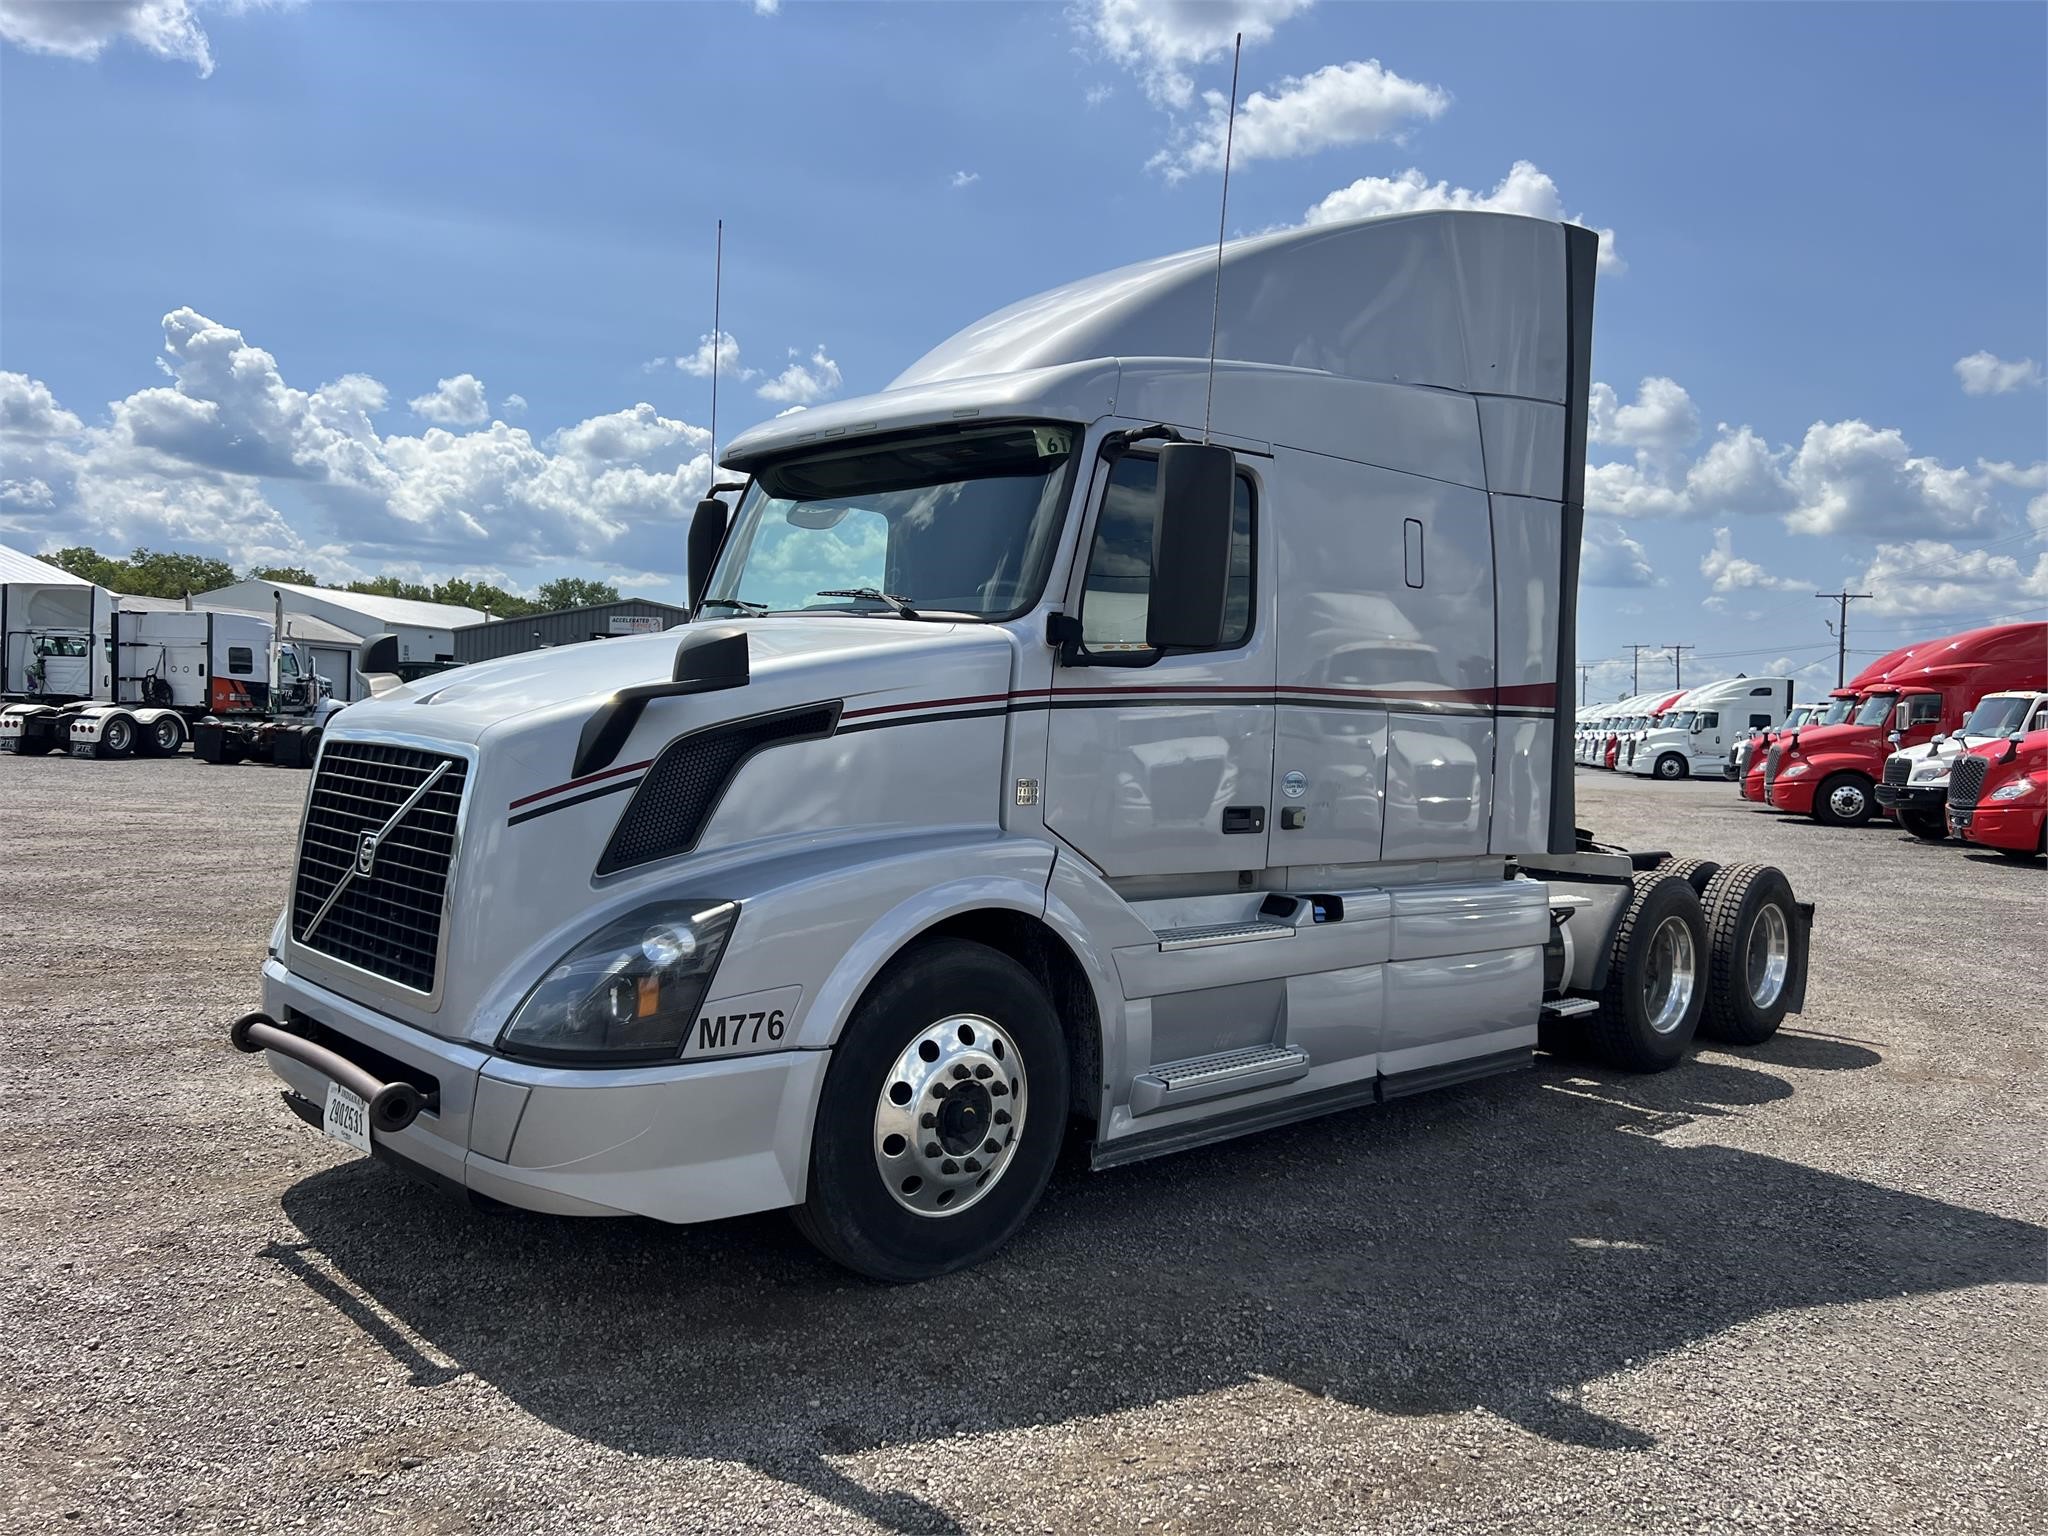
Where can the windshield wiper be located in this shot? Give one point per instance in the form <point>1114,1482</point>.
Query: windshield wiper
<point>897,605</point>
<point>734,602</point>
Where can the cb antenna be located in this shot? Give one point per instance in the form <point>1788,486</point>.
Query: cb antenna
<point>1222,217</point>
<point>717,294</point>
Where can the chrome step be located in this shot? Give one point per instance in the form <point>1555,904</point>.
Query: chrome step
<point>1223,933</point>
<point>1173,1083</point>
<point>1570,1007</point>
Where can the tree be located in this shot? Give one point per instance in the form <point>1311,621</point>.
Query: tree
<point>574,592</point>
<point>95,567</point>
<point>291,575</point>
<point>147,572</point>
<point>391,586</point>
<point>481,595</point>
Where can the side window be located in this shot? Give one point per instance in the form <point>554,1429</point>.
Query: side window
<point>1709,720</point>
<point>1761,693</point>
<point>1117,593</point>
<point>241,660</point>
<point>1922,708</point>
<point>1759,722</point>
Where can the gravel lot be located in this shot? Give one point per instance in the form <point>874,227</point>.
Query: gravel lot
<point>1799,1287</point>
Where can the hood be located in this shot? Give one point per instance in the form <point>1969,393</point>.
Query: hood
<point>1835,738</point>
<point>791,660</point>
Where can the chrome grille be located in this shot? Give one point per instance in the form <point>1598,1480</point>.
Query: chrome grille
<point>1966,781</point>
<point>1771,766</point>
<point>1897,770</point>
<point>387,921</point>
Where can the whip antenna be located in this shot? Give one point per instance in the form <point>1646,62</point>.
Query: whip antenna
<point>717,294</point>
<point>1222,216</point>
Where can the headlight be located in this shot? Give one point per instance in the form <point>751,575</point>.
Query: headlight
<point>2012,791</point>
<point>1927,772</point>
<point>627,993</point>
<point>1794,771</point>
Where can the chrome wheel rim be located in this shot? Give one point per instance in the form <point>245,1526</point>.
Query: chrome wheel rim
<point>117,736</point>
<point>166,734</point>
<point>1668,978</point>
<point>949,1114</point>
<point>1770,956</point>
<point>1847,800</point>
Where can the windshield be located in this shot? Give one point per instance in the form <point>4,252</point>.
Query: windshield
<point>1679,721</point>
<point>1875,708</point>
<point>1837,712</point>
<point>958,524</point>
<point>1996,717</point>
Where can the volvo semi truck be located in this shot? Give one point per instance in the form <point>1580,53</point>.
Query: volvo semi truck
<point>1831,773</point>
<point>1071,740</point>
<point>1915,783</point>
<point>1696,731</point>
<point>1998,795</point>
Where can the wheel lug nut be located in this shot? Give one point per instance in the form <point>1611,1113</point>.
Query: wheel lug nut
<point>983,1071</point>
<point>932,1149</point>
<point>1002,1117</point>
<point>949,1166</point>
<point>928,1120</point>
<point>972,1166</point>
<point>992,1145</point>
<point>960,1071</point>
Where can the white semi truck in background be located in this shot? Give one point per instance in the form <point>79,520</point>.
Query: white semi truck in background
<point>154,678</point>
<point>1915,783</point>
<point>1084,737</point>
<point>1695,732</point>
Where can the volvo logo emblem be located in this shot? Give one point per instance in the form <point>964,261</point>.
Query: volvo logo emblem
<point>366,850</point>
<point>366,853</point>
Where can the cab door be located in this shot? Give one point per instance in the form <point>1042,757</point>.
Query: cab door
<point>1163,769</point>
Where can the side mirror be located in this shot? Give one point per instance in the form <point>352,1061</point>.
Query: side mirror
<point>380,654</point>
<point>707,532</point>
<point>1191,545</point>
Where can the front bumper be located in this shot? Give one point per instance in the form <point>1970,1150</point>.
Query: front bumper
<point>691,1141</point>
<point>1912,797</point>
<point>1794,795</point>
<point>2015,828</point>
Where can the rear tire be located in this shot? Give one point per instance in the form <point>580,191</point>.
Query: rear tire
<point>1928,825</point>
<point>1650,1008</point>
<point>1756,962</point>
<point>1694,872</point>
<point>875,1204</point>
<point>167,736</point>
<point>117,737</point>
<point>1672,766</point>
<point>1844,800</point>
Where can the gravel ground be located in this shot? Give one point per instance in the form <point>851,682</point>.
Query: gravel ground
<point>1799,1287</point>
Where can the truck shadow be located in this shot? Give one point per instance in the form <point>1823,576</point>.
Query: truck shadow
<point>1501,1246</point>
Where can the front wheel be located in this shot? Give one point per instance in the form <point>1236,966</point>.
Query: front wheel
<point>1930,825</point>
<point>942,1115</point>
<point>1843,800</point>
<point>1671,766</point>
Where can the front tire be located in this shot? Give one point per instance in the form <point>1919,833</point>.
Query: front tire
<point>1671,766</point>
<point>1650,1008</point>
<point>1930,826</point>
<point>1756,961</point>
<point>1843,800</point>
<point>941,1117</point>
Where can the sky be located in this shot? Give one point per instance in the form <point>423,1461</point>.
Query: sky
<point>425,289</point>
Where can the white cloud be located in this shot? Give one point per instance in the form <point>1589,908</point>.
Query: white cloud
<point>767,7</point>
<point>1986,373</point>
<point>791,410</point>
<point>456,402</point>
<point>1932,576</point>
<point>1351,103</point>
<point>1098,94</point>
<point>1160,40</point>
<point>83,29</point>
<point>698,364</point>
<point>1662,418</point>
<point>805,381</point>
<point>513,405</point>
<point>1608,557</point>
<point>964,179</point>
<point>1727,571</point>
<point>1851,477</point>
<point>190,466</point>
<point>1524,190</point>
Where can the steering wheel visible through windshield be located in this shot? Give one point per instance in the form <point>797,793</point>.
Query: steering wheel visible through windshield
<point>953,524</point>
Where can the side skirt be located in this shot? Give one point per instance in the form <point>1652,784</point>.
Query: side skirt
<point>1136,1149</point>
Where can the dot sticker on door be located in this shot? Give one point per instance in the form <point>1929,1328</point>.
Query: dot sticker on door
<point>1294,785</point>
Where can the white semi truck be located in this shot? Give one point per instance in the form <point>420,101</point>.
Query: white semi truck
<point>1069,741</point>
<point>1696,731</point>
<point>141,687</point>
<point>1915,785</point>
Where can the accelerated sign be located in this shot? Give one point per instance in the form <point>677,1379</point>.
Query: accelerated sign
<point>737,1026</point>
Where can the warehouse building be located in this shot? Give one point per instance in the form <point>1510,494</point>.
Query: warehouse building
<point>425,631</point>
<point>540,631</point>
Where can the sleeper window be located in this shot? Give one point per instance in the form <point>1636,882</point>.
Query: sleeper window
<point>241,660</point>
<point>1117,594</point>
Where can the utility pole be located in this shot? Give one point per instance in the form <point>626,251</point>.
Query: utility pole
<point>1585,677</point>
<point>1677,661</point>
<point>1843,600</point>
<point>1635,668</point>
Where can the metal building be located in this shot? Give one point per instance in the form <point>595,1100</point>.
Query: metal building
<point>538,631</point>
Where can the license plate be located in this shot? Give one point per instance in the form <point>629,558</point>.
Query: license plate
<point>347,1118</point>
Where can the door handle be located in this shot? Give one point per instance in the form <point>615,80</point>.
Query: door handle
<point>1244,818</point>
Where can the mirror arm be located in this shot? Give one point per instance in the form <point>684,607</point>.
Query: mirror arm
<point>1063,632</point>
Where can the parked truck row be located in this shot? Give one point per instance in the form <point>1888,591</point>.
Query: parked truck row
<point>1678,735</point>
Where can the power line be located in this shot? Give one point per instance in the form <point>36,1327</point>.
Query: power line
<point>1677,663</point>
<point>1635,663</point>
<point>1843,599</point>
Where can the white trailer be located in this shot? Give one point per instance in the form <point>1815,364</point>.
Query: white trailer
<point>1696,731</point>
<point>1071,741</point>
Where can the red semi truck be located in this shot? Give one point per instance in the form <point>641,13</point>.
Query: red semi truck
<point>1759,769</point>
<point>1998,796</point>
<point>1830,773</point>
